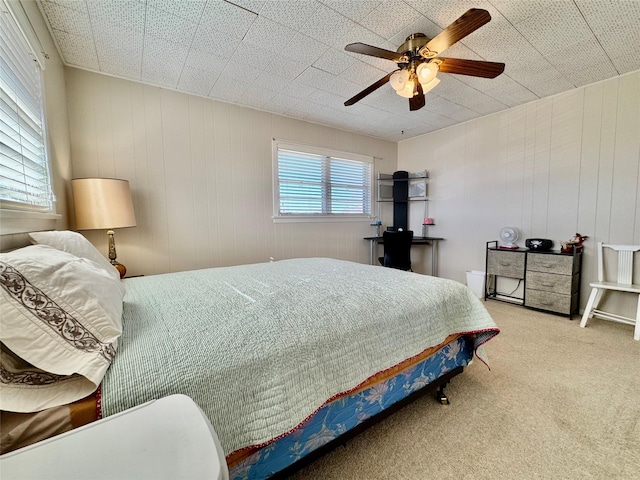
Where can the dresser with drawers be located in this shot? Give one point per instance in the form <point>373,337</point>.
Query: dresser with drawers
<point>551,279</point>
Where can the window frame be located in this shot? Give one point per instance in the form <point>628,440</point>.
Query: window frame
<point>18,217</point>
<point>319,217</point>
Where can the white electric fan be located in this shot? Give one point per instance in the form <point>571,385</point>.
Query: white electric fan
<point>508,235</point>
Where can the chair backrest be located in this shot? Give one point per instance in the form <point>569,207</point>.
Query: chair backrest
<point>625,262</point>
<point>397,249</point>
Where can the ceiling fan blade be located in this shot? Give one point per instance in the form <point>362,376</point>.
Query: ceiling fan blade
<point>463,26</point>
<point>372,51</point>
<point>475,68</point>
<point>370,89</point>
<point>417,101</point>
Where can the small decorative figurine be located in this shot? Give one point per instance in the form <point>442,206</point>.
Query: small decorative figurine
<point>576,241</point>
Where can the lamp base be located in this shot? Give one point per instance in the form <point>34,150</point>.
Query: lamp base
<point>112,254</point>
<point>120,267</point>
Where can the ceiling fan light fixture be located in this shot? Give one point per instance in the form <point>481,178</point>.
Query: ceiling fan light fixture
<point>428,86</point>
<point>426,72</point>
<point>409,89</point>
<point>399,79</point>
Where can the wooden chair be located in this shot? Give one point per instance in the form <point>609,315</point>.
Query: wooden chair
<point>624,283</point>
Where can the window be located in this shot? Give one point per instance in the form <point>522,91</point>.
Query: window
<point>314,183</point>
<point>25,181</point>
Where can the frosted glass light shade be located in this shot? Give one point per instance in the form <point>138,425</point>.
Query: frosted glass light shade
<point>430,85</point>
<point>427,72</point>
<point>408,90</point>
<point>398,80</point>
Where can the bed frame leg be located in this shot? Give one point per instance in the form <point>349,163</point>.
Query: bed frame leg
<point>441,396</point>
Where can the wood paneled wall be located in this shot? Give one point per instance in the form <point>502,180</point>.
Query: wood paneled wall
<point>201,176</point>
<point>551,168</point>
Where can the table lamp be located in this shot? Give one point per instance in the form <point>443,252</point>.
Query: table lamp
<point>104,204</point>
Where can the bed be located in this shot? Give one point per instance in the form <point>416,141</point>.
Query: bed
<point>285,358</point>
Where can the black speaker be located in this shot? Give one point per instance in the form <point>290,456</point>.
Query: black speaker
<point>540,244</point>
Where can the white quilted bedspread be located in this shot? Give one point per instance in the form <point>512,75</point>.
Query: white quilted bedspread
<point>261,347</point>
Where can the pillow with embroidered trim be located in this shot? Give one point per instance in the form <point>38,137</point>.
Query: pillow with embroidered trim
<point>61,317</point>
<point>76,244</point>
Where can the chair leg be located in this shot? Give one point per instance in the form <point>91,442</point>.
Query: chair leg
<point>636,332</point>
<point>590,305</point>
<point>597,301</point>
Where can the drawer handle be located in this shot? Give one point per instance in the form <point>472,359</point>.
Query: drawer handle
<point>505,264</point>
<point>547,284</point>
<point>547,265</point>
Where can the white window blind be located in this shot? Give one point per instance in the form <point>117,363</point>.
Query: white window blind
<point>24,170</point>
<point>315,184</point>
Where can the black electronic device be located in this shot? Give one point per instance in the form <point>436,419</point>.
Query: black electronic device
<point>539,244</point>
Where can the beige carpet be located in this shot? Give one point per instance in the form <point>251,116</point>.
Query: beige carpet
<point>560,402</point>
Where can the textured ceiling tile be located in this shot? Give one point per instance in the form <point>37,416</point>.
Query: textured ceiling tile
<point>333,61</point>
<point>78,5</point>
<point>196,81</point>
<point>359,34</point>
<point>513,45</point>
<point>327,25</point>
<point>291,13</point>
<point>260,57</point>
<point>510,92</point>
<point>254,6</point>
<point>206,62</point>
<point>127,15</point>
<point>298,89</point>
<point>555,27</point>
<point>327,99</point>
<point>390,17</point>
<point>592,74</point>
<point>551,87</point>
<point>163,61</point>
<point>268,34</point>
<point>287,68</point>
<point>120,60</point>
<point>241,71</point>
<point>169,27</point>
<point>314,77</point>
<point>627,61</point>
<point>271,82</point>
<point>570,61</point>
<point>281,103</point>
<point>342,87</point>
<point>531,72</point>
<point>363,73</point>
<point>445,13</point>
<point>67,19</point>
<point>356,10</point>
<point>125,68</point>
<point>256,95</point>
<point>517,11</point>
<point>603,16</point>
<point>228,18</point>
<point>312,48</point>
<point>228,89</point>
<point>209,40</point>
<point>77,50</point>
<point>421,25</point>
<point>191,10</point>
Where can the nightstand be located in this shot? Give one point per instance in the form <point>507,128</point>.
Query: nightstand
<point>168,439</point>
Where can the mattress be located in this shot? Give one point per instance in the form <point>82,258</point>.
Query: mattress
<point>262,347</point>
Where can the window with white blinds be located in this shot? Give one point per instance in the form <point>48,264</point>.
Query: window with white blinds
<point>25,181</point>
<point>315,183</point>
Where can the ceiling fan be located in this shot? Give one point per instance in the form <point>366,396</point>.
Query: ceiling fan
<point>418,60</point>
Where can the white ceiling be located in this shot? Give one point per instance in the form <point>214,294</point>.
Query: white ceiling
<point>288,57</point>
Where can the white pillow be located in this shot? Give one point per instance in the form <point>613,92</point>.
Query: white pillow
<point>62,315</point>
<point>76,244</point>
